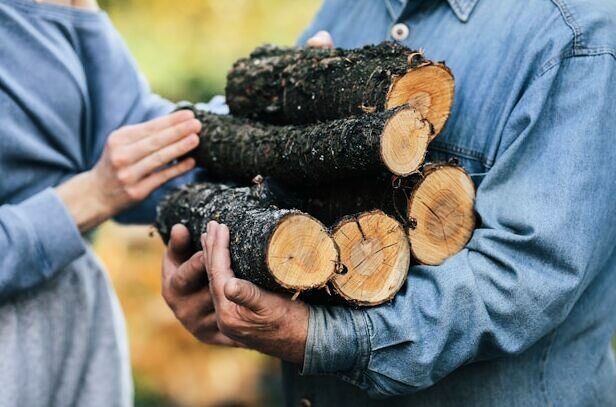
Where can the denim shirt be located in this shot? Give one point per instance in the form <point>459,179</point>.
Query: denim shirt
<point>523,315</point>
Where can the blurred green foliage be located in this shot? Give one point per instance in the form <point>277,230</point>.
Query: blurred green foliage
<point>186,47</point>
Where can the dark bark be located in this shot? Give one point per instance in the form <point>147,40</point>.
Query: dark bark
<point>330,203</point>
<point>303,85</point>
<point>249,215</point>
<point>302,155</point>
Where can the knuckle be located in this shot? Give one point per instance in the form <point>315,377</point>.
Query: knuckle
<point>158,159</point>
<point>196,264</point>
<point>227,324</point>
<point>135,194</point>
<point>114,139</point>
<point>123,178</point>
<point>117,161</point>
<point>180,281</point>
<point>252,292</point>
<point>184,314</point>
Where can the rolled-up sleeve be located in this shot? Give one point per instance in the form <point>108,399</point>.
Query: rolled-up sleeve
<point>38,238</point>
<point>547,210</point>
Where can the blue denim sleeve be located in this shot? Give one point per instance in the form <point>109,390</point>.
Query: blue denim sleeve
<point>145,211</point>
<point>543,205</point>
<point>323,20</point>
<point>38,238</point>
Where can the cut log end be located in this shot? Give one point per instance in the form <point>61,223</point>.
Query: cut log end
<point>405,142</point>
<point>301,254</point>
<point>375,250</point>
<point>429,89</point>
<point>442,206</point>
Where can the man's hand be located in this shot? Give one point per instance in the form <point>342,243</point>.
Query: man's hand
<point>245,315</point>
<point>263,321</point>
<point>322,39</point>
<point>184,284</point>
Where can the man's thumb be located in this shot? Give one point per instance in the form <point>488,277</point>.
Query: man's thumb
<point>243,293</point>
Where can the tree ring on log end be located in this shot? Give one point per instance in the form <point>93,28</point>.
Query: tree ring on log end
<point>442,203</point>
<point>301,254</point>
<point>404,142</point>
<point>375,250</point>
<point>429,89</point>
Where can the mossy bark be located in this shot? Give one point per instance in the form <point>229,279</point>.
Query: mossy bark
<point>314,154</point>
<point>249,215</point>
<point>303,85</point>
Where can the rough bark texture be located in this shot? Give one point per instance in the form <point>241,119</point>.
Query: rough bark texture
<point>435,206</point>
<point>307,155</point>
<point>249,215</point>
<point>329,203</point>
<point>303,85</point>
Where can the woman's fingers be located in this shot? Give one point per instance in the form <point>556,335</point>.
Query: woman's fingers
<point>164,122</point>
<point>153,181</point>
<point>161,138</point>
<point>160,158</point>
<point>132,133</point>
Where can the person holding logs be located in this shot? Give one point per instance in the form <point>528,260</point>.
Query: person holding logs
<point>524,314</point>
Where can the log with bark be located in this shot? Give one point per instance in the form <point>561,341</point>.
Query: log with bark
<point>435,206</point>
<point>303,85</point>
<point>395,140</point>
<point>374,251</point>
<point>279,249</point>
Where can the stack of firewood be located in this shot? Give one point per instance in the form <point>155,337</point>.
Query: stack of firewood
<point>325,189</point>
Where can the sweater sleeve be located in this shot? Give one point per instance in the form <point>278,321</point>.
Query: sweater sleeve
<point>38,238</point>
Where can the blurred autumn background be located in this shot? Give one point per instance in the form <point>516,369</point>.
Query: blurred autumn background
<point>184,48</point>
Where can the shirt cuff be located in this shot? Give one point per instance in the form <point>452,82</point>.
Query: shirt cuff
<point>52,230</point>
<point>216,105</point>
<point>338,342</point>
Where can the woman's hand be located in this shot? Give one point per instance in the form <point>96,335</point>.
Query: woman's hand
<point>134,163</point>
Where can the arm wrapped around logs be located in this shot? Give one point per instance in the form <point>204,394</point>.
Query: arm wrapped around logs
<point>304,85</point>
<point>395,140</point>
<point>279,249</point>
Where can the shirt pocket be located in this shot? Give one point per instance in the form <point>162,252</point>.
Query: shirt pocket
<point>476,167</point>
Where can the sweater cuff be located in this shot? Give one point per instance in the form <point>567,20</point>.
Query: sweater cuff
<point>338,342</point>
<point>52,230</point>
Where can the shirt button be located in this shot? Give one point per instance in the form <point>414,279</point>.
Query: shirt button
<point>305,403</point>
<point>400,32</point>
